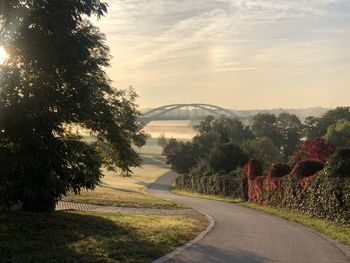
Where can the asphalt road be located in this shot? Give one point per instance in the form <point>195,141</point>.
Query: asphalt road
<point>244,235</point>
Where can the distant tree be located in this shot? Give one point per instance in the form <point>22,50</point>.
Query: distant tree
<point>182,156</point>
<point>310,129</point>
<point>227,157</point>
<point>265,125</point>
<point>290,128</point>
<point>262,149</point>
<point>213,132</point>
<point>141,139</point>
<point>205,126</point>
<point>162,141</point>
<point>55,78</point>
<point>339,134</point>
<point>169,146</point>
<point>317,127</point>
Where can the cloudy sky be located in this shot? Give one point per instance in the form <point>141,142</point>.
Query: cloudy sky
<point>248,54</point>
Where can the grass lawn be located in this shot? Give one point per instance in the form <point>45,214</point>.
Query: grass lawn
<point>122,198</point>
<point>92,237</point>
<point>129,191</point>
<point>211,197</point>
<point>330,229</point>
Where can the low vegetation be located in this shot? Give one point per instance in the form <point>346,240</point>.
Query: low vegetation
<point>121,198</point>
<point>210,197</point>
<point>129,191</point>
<point>92,237</point>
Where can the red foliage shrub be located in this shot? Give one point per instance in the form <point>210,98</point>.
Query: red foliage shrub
<point>317,149</point>
<point>254,168</point>
<point>306,168</point>
<point>279,170</point>
<point>305,182</point>
<point>255,188</point>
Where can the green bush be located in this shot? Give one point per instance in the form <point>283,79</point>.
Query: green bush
<point>226,157</point>
<point>215,183</point>
<point>339,163</point>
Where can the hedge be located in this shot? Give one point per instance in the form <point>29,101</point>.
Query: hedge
<point>325,194</point>
<point>220,184</point>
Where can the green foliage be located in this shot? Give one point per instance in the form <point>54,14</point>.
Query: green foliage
<point>262,149</point>
<point>162,141</point>
<point>215,183</point>
<point>339,133</point>
<point>181,155</point>
<point>55,79</point>
<point>310,129</point>
<point>226,157</point>
<point>317,127</point>
<point>339,164</point>
<point>284,131</point>
<point>265,125</point>
<point>290,128</point>
<point>213,132</point>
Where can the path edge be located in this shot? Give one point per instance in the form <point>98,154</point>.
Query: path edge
<point>345,249</point>
<point>189,243</point>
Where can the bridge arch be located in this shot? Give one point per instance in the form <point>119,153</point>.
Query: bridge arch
<point>157,113</point>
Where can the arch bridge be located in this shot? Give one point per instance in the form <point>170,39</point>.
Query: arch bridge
<point>161,113</point>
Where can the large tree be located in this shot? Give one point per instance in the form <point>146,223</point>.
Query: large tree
<point>290,128</point>
<point>213,132</point>
<point>265,125</point>
<point>317,127</point>
<point>55,79</point>
<point>263,149</point>
<point>339,134</point>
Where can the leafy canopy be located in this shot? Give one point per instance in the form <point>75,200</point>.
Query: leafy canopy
<point>54,79</point>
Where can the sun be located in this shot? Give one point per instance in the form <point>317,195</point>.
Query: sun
<point>3,55</point>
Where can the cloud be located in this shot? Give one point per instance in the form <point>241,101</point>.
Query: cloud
<point>168,43</point>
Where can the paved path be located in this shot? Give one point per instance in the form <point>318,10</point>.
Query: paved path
<point>124,210</point>
<point>244,235</point>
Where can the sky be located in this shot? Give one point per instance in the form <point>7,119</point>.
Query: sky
<point>243,54</point>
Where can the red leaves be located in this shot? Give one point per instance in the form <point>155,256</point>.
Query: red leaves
<point>254,168</point>
<point>261,188</point>
<point>317,149</point>
<point>279,170</point>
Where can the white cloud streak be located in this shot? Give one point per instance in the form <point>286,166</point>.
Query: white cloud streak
<point>209,38</point>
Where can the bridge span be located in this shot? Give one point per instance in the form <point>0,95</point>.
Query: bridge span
<point>207,109</point>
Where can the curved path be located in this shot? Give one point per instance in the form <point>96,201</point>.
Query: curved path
<point>244,235</point>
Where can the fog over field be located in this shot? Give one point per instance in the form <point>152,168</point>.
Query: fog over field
<point>179,129</point>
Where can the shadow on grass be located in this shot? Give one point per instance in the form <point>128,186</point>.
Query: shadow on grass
<point>71,237</point>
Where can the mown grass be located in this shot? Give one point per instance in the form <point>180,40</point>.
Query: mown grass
<point>129,191</point>
<point>335,231</point>
<point>92,237</point>
<point>122,198</point>
<point>210,197</point>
